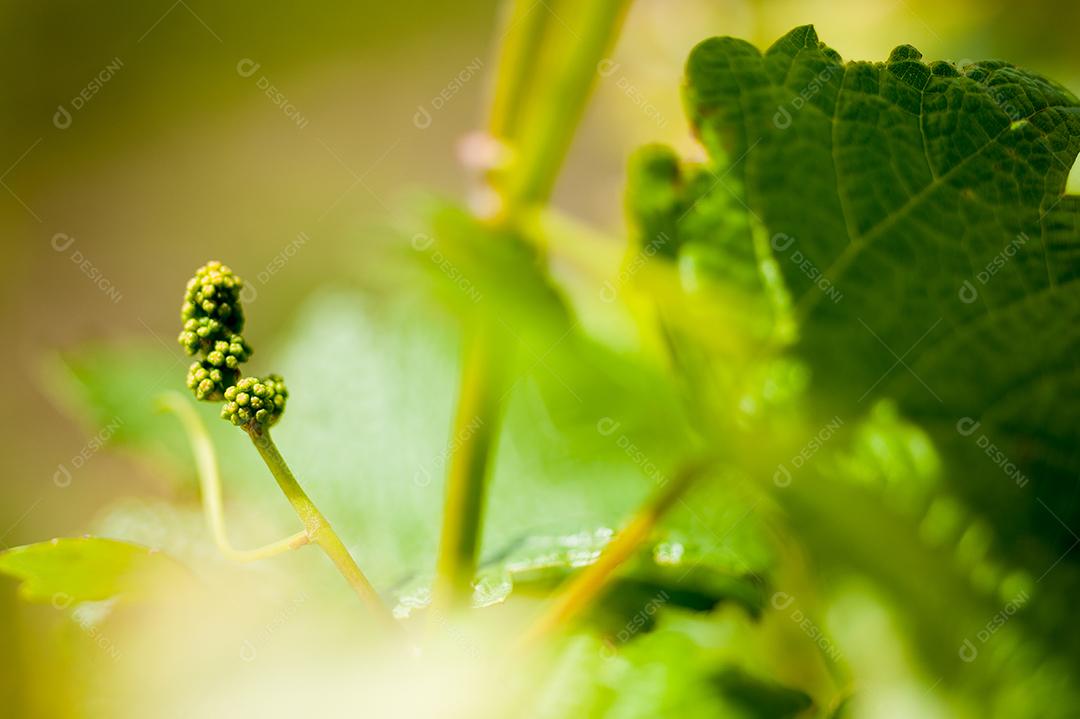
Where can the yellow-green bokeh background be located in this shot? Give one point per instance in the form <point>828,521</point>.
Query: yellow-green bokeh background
<point>178,158</point>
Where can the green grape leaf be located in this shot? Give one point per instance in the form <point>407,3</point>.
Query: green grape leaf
<point>88,569</point>
<point>940,564</point>
<point>916,214</point>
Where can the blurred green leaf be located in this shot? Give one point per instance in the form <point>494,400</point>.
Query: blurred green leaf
<point>666,574</point>
<point>669,672</point>
<point>88,569</point>
<point>115,386</point>
<point>760,698</point>
<point>685,213</point>
<point>113,390</point>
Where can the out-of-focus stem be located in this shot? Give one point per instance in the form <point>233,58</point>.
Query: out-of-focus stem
<point>546,71</point>
<point>475,431</point>
<point>584,589</point>
<point>543,141</point>
<point>519,53</point>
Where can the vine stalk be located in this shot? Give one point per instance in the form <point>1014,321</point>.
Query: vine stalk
<point>210,487</point>
<point>546,69</point>
<point>318,528</point>
<point>475,431</point>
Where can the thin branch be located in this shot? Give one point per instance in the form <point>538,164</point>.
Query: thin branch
<point>318,527</point>
<point>210,486</point>
<point>474,434</point>
<point>537,106</point>
<point>545,135</point>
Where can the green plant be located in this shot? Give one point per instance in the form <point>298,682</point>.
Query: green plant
<point>825,312</point>
<point>213,318</point>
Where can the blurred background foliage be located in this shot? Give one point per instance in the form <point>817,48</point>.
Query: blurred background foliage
<point>178,158</point>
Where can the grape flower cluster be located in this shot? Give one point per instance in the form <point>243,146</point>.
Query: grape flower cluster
<point>212,320</point>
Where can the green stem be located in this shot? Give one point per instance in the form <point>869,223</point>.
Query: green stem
<point>560,102</point>
<point>474,434</point>
<point>518,64</point>
<point>536,109</point>
<point>584,589</point>
<point>210,486</point>
<point>318,527</point>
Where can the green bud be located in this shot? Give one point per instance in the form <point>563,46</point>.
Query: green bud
<point>213,294</point>
<point>212,320</point>
<point>202,334</point>
<point>255,402</point>
<point>208,382</point>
